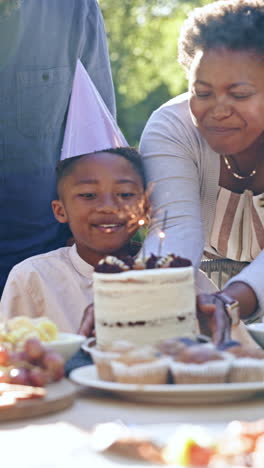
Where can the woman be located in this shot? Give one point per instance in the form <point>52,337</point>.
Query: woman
<point>204,153</point>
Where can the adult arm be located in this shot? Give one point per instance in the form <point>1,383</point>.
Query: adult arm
<point>211,313</point>
<point>171,157</point>
<point>95,56</point>
<point>246,288</point>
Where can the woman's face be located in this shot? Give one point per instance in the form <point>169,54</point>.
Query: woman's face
<point>227,99</point>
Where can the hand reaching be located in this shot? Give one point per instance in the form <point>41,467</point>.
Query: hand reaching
<point>213,319</point>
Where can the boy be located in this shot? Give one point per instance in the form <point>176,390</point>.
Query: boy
<point>102,197</point>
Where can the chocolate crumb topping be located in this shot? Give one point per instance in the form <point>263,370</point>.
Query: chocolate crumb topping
<point>112,264</point>
<point>179,262</point>
<point>129,261</point>
<point>106,268</point>
<point>151,262</point>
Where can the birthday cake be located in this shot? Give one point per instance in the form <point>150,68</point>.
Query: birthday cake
<point>144,302</point>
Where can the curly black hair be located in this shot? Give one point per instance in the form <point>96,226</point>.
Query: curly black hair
<point>129,153</point>
<point>233,24</point>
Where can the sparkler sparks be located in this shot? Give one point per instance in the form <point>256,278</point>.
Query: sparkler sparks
<point>141,222</point>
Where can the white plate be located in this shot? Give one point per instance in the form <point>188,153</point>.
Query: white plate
<point>67,344</point>
<point>198,393</point>
<point>257,332</point>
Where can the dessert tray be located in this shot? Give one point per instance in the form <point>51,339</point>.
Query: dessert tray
<point>169,393</point>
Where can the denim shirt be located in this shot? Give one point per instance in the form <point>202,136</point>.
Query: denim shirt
<point>44,38</point>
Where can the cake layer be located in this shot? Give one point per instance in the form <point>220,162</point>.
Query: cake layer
<point>144,306</point>
<point>147,333</point>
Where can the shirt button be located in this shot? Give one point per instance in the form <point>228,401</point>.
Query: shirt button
<point>45,76</point>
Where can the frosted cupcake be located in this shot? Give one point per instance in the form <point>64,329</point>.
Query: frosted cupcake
<point>248,365</point>
<point>246,369</point>
<point>200,364</point>
<point>102,357</point>
<point>141,366</point>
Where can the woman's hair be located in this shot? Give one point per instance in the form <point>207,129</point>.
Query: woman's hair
<point>66,166</point>
<point>233,24</point>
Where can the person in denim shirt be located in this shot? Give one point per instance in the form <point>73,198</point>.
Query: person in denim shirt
<point>40,42</point>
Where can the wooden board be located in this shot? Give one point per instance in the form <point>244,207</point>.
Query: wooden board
<point>60,395</point>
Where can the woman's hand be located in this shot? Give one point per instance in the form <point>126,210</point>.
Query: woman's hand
<point>212,317</point>
<point>87,323</point>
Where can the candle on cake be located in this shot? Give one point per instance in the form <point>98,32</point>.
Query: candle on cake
<point>162,233</point>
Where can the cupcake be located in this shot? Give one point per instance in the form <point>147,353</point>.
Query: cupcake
<point>200,364</point>
<point>247,365</point>
<point>174,346</point>
<point>102,357</point>
<point>246,369</point>
<point>245,351</point>
<point>141,366</point>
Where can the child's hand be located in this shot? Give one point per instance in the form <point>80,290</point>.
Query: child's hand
<point>87,323</point>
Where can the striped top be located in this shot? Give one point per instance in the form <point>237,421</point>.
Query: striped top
<point>238,228</point>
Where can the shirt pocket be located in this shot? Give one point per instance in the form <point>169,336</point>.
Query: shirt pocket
<point>42,98</point>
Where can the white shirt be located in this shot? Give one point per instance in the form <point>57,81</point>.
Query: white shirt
<point>57,284</point>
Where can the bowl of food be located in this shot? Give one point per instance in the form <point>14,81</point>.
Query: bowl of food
<point>66,344</point>
<point>17,330</point>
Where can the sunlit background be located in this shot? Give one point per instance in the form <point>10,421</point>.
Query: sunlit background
<point>142,38</point>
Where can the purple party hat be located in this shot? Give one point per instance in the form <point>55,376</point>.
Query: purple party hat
<point>90,126</point>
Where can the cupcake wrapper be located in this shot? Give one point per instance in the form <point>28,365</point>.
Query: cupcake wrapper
<point>102,360</point>
<point>209,372</point>
<point>155,372</point>
<point>246,370</point>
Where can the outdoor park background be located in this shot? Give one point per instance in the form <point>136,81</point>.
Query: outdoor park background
<point>142,39</point>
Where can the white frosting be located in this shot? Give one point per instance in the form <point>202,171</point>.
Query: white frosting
<point>144,306</point>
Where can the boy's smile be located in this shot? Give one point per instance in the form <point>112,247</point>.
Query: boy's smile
<point>102,199</point>
<point>109,228</point>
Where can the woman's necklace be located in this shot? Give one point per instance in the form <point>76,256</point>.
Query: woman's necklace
<point>235,174</point>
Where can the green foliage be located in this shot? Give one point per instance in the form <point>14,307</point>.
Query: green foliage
<point>142,38</point>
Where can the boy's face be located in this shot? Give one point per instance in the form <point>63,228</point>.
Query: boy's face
<point>102,199</point>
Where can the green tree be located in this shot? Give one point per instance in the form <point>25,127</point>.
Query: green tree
<point>142,37</point>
